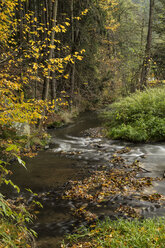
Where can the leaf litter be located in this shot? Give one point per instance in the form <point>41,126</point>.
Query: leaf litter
<point>115,187</point>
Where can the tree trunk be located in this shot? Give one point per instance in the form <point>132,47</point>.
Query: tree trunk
<point>21,21</point>
<point>51,51</point>
<point>146,60</point>
<point>53,87</point>
<point>34,38</point>
<point>73,39</point>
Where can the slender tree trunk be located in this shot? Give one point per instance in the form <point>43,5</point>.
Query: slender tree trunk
<point>53,87</point>
<point>142,34</point>
<point>138,79</point>
<point>34,38</point>
<point>51,51</point>
<point>146,60</point>
<point>73,39</point>
<point>21,20</point>
<point>47,15</point>
<point>72,80</point>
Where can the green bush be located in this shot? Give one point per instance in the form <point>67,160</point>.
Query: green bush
<point>139,117</point>
<point>14,213</point>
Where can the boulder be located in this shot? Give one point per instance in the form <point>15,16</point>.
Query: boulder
<point>22,128</point>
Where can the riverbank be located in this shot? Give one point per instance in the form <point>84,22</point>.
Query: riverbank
<point>118,192</point>
<point>122,233</point>
<point>77,158</point>
<point>115,190</point>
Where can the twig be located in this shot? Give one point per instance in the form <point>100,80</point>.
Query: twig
<point>4,60</point>
<point>144,169</point>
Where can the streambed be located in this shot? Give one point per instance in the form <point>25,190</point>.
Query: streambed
<point>73,155</point>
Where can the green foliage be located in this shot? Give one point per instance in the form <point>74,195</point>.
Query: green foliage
<point>139,117</point>
<point>14,215</point>
<point>13,232</point>
<point>122,233</point>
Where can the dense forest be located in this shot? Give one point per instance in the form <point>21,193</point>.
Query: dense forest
<point>81,51</point>
<point>73,55</point>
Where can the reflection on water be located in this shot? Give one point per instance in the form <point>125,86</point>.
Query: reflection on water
<point>44,171</point>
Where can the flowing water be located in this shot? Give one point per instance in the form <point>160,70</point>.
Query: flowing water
<point>70,156</point>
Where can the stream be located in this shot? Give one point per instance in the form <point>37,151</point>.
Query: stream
<point>72,155</point>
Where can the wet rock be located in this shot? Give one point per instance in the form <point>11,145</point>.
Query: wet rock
<point>93,132</point>
<point>71,205</point>
<point>149,209</point>
<point>143,156</point>
<point>22,128</point>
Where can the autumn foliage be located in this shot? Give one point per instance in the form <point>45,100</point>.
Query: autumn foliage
<point>41,50</point>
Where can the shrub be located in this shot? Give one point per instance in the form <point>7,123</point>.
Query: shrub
<point>139,117</point>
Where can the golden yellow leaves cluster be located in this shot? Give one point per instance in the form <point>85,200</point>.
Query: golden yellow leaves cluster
<point>110,6</point>
<point>7,8</point>
<point>13,75</point>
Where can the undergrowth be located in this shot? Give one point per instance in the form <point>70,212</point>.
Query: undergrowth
<point>15,214</point>
<point>139,117</point>
<point>149,233</point>
<point>13,230</point>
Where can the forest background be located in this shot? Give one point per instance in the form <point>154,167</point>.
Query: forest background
<point>65,55</point>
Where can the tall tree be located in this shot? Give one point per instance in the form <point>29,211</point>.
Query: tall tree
<point>73,41</point>
<point>159,41</point>
<point>51,50</point>
<point>147,57</point>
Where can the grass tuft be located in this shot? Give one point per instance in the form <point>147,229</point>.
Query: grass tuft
<point>149,233</point>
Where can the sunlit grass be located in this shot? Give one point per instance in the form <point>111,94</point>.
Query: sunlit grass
<point>149,233</point>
